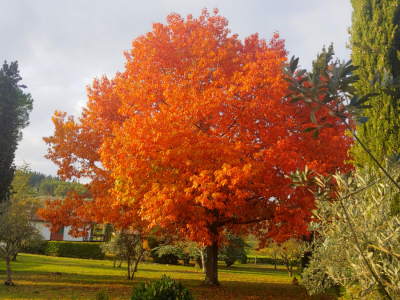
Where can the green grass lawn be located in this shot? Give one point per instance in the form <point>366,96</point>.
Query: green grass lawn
<point>83,279</point>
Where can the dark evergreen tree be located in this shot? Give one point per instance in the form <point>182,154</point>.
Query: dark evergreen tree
<point>15,106</point>
<point>36,178</point>
<point>375,44</point>
<point>236,249</point>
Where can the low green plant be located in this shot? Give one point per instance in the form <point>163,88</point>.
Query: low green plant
<point>34,248</point>
<point>163,289</point>
<point>102,295</point>
<point>357,245</point>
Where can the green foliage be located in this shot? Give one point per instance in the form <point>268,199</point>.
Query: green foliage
<point>289,252</point>
<point>372,50</point>
<point>15,106</point>
<point>243,259</point>
<point>34,248</point>
<point>20,184</point>
<point>169,256</point>
<point>320,65</point>
<point>38,177</point>
<point>74,249</point>
<point>358,240</point>
<point>264,261</point>
<point>102,295</point>
<point>127,246</point>
<point>164,288</point>
<point>16,230</point>
<point>333,91</point>
<point>234,250</point>
<point>56,187</point>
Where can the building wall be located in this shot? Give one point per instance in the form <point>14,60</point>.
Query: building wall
<point>67,237</point>
<point>45,231</point>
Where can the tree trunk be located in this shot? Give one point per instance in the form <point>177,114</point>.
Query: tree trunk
<point>212,265</point>
<point>129,268</point>
<point>9,281</point>
<point>305,260</point>
<point>255,259</point>
<point>288,269</point>
<point>199,263</point>
<point>135,268</point>
<point>15,257</point>
<point>132,270</point>
<point>203,263</point>
<point>137,262</point>
<point>275,263</point>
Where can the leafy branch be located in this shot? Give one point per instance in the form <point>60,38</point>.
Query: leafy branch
<point>334,90</point>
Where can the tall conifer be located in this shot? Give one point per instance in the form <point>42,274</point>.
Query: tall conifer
<point>375,44</point>
<point>15,106</point>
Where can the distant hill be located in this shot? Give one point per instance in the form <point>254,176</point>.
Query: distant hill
<point>48,185</point>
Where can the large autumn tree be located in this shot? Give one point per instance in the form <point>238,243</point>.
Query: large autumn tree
<point>195,137</point>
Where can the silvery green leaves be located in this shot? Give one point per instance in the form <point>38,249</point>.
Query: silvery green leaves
<point>360,206</point>
<point>333,90</point>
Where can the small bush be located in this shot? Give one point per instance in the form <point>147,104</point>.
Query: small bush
<point>243,260</point>
<point>74,249</point>
<point>102,295</point>
<point>163,259</point>
<point>162,289</point>
<point>35,248</point>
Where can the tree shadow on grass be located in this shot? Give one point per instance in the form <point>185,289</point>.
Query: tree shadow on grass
<point>230,290</point>
<point>122,290</point>
<point>170,271</point>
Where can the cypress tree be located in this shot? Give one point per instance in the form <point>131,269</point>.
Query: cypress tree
<point>15,106</point>
<point>375,44</point>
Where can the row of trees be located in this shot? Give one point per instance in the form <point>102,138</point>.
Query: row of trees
<point>60,188</point>
<point>43,185</point>
<point>131,247</point>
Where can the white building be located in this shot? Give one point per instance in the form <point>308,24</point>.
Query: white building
<point>62,234</point>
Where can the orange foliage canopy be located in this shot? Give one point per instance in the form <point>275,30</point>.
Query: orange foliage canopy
<point>195,136</point>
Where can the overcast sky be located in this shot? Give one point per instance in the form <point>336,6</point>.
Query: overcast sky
<point>62,45</point>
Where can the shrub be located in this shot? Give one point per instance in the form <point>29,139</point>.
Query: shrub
<point>163,288</point>
<point>34,248</point>
<point>243,260</point>
<point>102,295</point>
<point>74,249</point>
<point>154,244</point>
<point>264,260</point>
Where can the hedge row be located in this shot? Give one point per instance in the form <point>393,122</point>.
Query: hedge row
<point>86,250</point>
<point>268,260</point>
<point>264,260</point>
